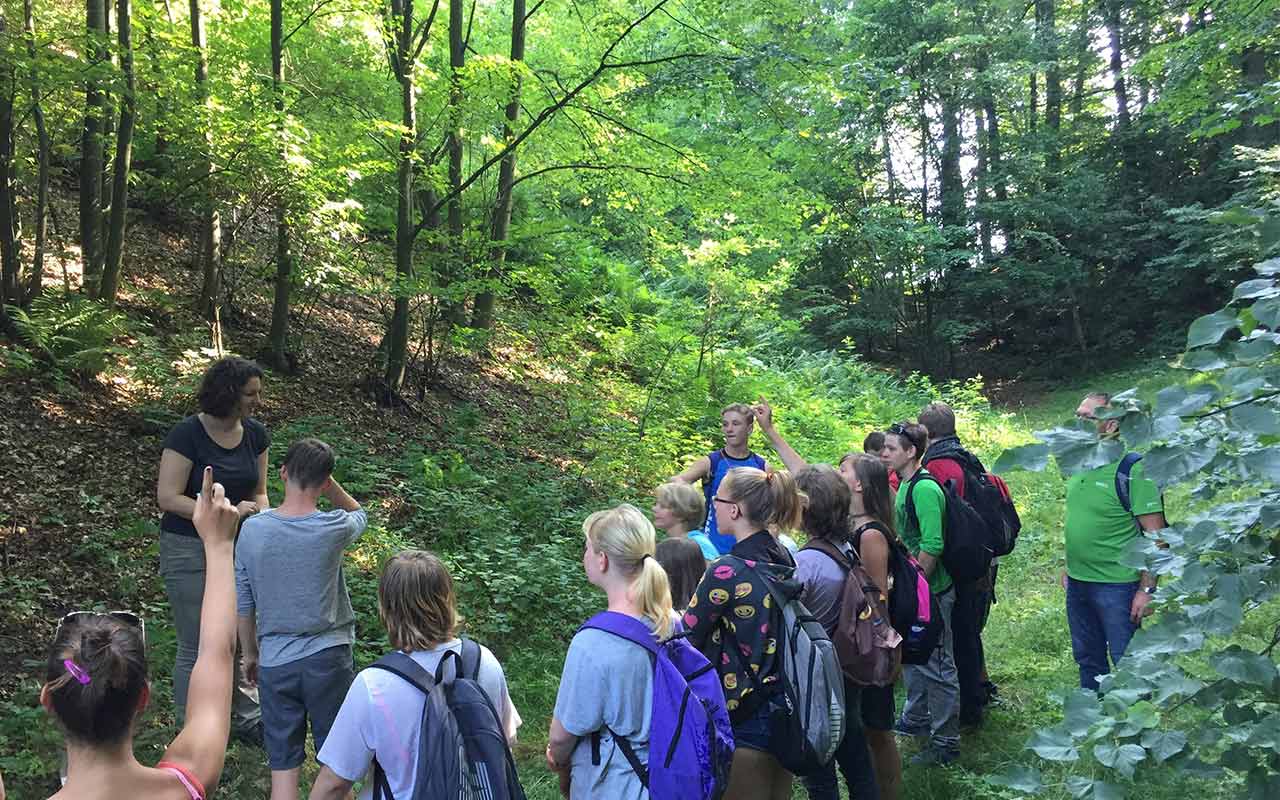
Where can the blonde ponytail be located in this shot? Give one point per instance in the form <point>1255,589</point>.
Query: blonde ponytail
<point>627,536</point>
<point>767,498</point>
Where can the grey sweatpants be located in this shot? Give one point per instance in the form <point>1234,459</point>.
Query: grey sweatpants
<point>182,567</point>
<point>933,688</point>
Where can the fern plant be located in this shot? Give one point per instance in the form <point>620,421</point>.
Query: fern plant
<point>69,333</point>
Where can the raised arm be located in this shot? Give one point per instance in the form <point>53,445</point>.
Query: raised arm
<point>202,745</point>
<point>695,471</point>
<point>335,494</point>
<point>764,415</point>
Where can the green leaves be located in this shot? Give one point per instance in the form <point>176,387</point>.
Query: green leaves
<point>1020,778</point>
<point>1054,744</point>
<point>1245,667</point>
<point>1123,758</point>
<point>1255,289</point>
<point>1169,464</point>
<point>1210,328</point>
<point>1256,418</point>
<point>1181,401</point>
<point>1031,457</point>
<point>1081,711</point>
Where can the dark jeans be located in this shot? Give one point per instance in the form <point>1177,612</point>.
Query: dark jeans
<point>972,601</point>
<point>1098,614</point>
<point>853,757</point>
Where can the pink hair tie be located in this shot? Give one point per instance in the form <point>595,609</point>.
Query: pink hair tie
<point>78,672</point>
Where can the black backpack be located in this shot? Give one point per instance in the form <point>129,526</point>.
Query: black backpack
<point>921,629</point>
<point>966,538</point>
<point>982,492</point>
<point>462,749</point>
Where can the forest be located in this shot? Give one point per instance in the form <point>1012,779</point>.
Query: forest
<point>527,250</point>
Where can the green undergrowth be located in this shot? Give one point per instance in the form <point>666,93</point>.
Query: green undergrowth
<point>507,519</point>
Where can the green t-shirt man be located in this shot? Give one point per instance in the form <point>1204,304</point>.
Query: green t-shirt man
<point>1098,529</point>
<point>930,505</point>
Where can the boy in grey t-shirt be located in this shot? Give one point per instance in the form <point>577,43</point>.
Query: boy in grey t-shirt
<point>296,621</point>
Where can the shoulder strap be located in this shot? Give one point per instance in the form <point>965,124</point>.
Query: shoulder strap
<point>1122,480</point>
<point>471,658</point>
<point>624,627</point>
<point>406,669</point>
<point>628,752</point>
<point>830,551</point>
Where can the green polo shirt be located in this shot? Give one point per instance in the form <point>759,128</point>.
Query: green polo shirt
<point>930,504</point>
<point>1098,529</point>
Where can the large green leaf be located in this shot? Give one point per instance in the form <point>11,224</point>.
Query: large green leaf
<point>1019,778</point>
<point>1164,745</point>
<point>1256,418</point>
<point>1054,744</point>
<point>1267,312</point>
<point>1205,359</point>
<point>1264,464</point>
<point>1269,267</point>
<point>1244,666</point>
<point>1123,758</point>
<point>1257,348</point>
<point>1033,457</point>
<point>1210,328</point>
<point>1256,288</point>
<point>1168,464</point>
<point>1081,711</point>
<point>1182,401</point>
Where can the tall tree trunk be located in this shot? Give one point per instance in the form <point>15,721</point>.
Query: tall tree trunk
<point>211,220</point>
<point>924,155</point>
<point>10,268</point>
<point>887,154</point>
<point>1116,34</point>
<point>124,154</point>
<point>1047,39</point>
<point>482,314</point>
<point>950,182</point>
<point>277,339</point>
<point>1033,102</point>
<point>91,149</point>
<point>995,156</point>
<point>982,195</point>
<point>1084,56</point>
<point>42,157</point>
<point>455,267</point>
<point>398,331</point>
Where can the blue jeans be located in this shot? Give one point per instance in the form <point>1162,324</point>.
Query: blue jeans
<point>853,757</point>
<point>1098,614</point>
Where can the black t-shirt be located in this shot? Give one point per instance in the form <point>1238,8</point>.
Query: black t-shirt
<point>236,469</point>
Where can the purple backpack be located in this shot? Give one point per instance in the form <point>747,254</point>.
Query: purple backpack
<point>690,737</point>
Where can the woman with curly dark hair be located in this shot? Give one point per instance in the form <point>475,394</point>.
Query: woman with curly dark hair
<point>226,437</point>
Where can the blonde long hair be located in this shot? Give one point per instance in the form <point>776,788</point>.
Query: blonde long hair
<point>627,537</point>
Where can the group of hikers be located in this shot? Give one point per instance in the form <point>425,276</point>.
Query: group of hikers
<point>728,660</point>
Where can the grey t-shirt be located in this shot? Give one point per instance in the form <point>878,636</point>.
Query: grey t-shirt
<point>607,681</point>
<point>823,581</point>
<point>289,571</point>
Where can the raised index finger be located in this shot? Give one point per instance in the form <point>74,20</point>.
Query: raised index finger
<point>206,483</point>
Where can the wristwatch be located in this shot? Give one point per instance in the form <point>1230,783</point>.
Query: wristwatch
<point>1149,589</point>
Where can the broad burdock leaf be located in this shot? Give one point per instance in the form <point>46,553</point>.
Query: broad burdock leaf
<point>1264,784</point>
<point>1267,312</point>
<point>1206,359</point>
<point>1244,666</point>
<point>1032,457</point>
<point>1173,632</point>
<point>1141,716</point>
<point>1254,289</point>
<point>1269,267</point>
<point>1123,758</point>
<point>1266,733</point>
<point>1019,778</point>
<point>1182,401</point>
<point>1082,711</point>
<point>1257,348</point>
<point>1264,464</point>
<point>1256,418</point>
<point>1210,328</point>
<point>1164,745</point>
<point>1180,685</point>
<point>1080,787</point>
<point>1107,791</point>
<point>1054,744</point>
<point>1083,456</point>
<point>1242,381</point>
<point>1169,464</point>
<point>1218,618</point>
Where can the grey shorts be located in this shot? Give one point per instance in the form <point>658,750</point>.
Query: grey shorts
<point>313,687</point>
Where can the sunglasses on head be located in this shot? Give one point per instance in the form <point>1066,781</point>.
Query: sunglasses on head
<point>123,617</point>
<point>897,429</point>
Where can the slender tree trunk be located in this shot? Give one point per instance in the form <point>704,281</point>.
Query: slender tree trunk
<point>950,182</point>
<point>482,314</point>
<point>277,340</point>
<point>10,268</point>
<point>398,331</point>
<point>456,262</point>
<point>995,165</point>
<point>1033,102</point>
<point>1084,56</point>
<point>91,150</point>
<point>1116,34</point>
<point>42,157</point>
<point>211,220</point>
<point>124,154</point>
<point>982,195</point>
<point>1047,36</point>
<point>924,156</point>
<point>890,176</point>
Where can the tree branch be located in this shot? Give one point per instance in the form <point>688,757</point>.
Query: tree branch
<point>608,118</point>
<point>533,10</point>
<point>587,166</point>
<point>425,31</point>
<point>305,20</point>
<point>1260,397</point>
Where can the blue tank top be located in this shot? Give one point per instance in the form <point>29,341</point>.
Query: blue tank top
<point>721,463</point>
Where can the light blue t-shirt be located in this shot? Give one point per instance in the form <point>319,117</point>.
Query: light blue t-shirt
<point>607,681</point>
<point>709,551</point>
<point>289,572</point>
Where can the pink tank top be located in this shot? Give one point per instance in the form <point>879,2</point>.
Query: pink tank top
<point>189,781</point>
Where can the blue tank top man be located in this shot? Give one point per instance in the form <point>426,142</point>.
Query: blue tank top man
<point>736,422</point>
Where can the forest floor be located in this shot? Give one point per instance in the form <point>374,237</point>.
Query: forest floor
<point>490,473</point>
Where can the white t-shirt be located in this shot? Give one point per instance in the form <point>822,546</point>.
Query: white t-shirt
<point>382,716</point>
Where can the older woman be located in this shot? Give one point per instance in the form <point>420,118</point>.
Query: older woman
<point>223,436</point>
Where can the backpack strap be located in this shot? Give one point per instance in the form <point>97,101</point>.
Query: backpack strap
<point>910,502</point>
<point>471,659</point>
<point>628,752</point>
<point>830,551</point>
<point>1122,480</point>
<point>624,627</point>
<point>406,669</point>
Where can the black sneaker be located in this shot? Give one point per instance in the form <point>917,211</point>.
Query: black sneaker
<point>902,729</point>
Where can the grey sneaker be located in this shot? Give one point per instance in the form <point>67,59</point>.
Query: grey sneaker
<point>903,729</point>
